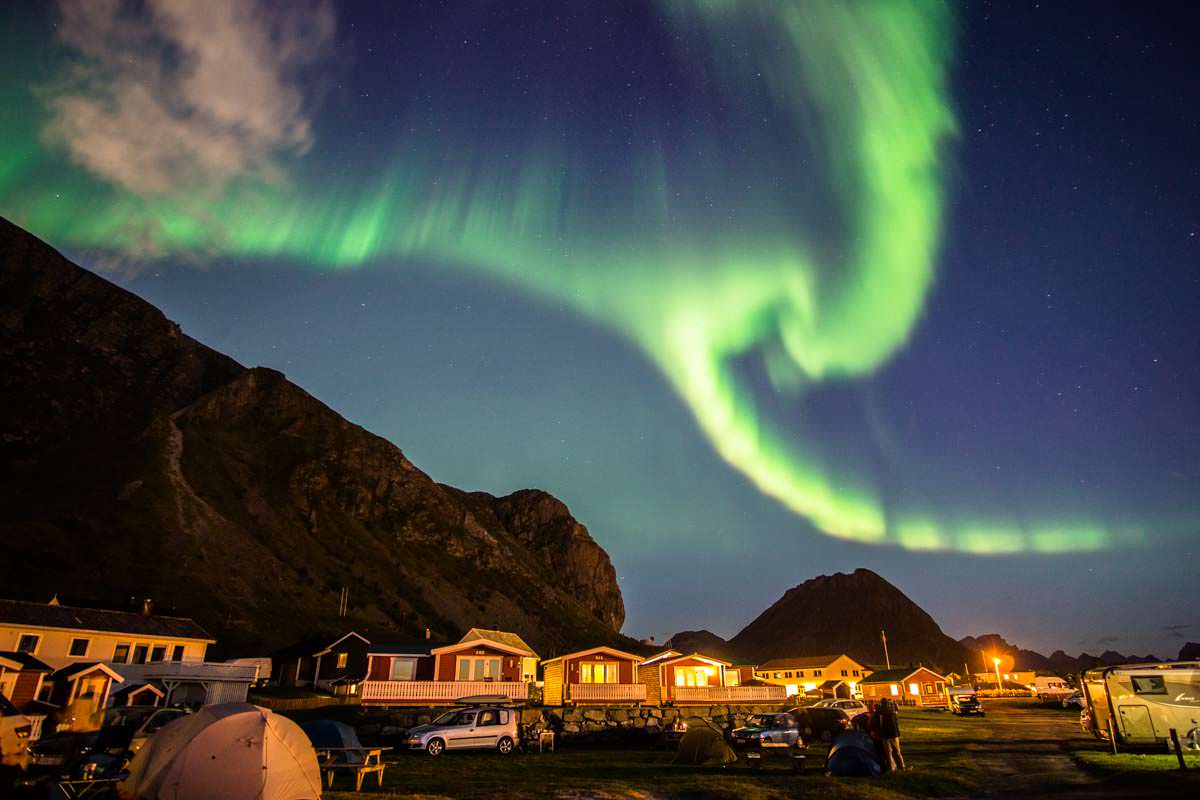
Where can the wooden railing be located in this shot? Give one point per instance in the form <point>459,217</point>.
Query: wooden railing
<point>608,692</point>
<point>730,694</point>
<point>438,691</point>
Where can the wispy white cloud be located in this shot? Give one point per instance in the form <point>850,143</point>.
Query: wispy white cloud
<point>179,97</point>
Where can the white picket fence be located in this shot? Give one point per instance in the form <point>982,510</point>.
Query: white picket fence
<point>730,694</point>
<point>608,692</point>
<point>439,691</point>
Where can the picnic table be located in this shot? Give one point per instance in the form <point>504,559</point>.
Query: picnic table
<point>84,787</point>
<point>361,761</point>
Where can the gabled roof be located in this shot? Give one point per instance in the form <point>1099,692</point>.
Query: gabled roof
<point>802,662</point>
<point>499,637</point>
<point>421,648</point>
<point>73,672</point>
<point>830,685</point>
<point>660,656</point>
<point>466,644</point>
<point>602,649</point>
<point>20,613</point>
<point>338,641</point>
<point>23,662</point>
<point>898,675</point>
<point>133,688</point>
<point>700,656</point>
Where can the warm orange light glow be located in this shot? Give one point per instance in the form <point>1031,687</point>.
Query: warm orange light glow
<point>996,661</point>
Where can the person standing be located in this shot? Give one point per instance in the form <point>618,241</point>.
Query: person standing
<point>889,731</point>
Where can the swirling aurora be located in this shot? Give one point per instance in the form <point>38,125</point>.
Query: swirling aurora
<point>779,203</point>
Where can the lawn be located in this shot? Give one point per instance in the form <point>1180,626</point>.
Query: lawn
<point>1104,761</point>
<point>942,767</point>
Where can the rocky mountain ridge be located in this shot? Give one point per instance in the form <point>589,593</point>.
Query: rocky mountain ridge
<point>991,645</point>
<point>134,460</point>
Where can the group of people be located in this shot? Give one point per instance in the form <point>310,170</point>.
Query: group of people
<point>883,725</point>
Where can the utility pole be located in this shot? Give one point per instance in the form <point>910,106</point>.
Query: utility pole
<point>887,659</point>
<point>344,601</point>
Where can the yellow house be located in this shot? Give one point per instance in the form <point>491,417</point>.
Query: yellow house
<point>133,648</point>
<point>835,676</point>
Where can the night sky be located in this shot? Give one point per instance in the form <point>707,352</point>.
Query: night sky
<point>761,290</point>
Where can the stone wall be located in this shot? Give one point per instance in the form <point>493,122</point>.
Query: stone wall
<point>579,723</point>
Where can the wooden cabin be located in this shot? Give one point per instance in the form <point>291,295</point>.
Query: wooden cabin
<point>816,676</point>
<point>600,675</point>
<point>21,678</point>
<point>322,661</point>
<point>675,678</point>
<point>908,686</point>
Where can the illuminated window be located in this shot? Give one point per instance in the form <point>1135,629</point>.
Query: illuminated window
<point>598,672</point>
<point>342,658</point>
<point>914,688</point>
<point>778,674</point>
<point>929,688</point>
<point>79,647</point>
<point>733,678</point>
<point>895,690</point>
<point>693,676</point>
<point>478,669</point>
<point>403,669</point>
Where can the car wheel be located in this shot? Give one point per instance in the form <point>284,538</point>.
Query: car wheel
<point>435,747</point>
<point>505,745</point>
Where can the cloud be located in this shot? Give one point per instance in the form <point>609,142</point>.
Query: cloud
<point>1108,639</point>
<point>179,97</point>
<point>1177,627</point>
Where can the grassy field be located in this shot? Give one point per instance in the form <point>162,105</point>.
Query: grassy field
<point>940,768</point>
<point>1104,761</point>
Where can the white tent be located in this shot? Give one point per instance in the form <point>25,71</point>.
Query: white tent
<point>234,751</point>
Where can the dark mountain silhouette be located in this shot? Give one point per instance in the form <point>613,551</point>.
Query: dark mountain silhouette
<point>844,614</point>
<point>1190,652</point>
<point>985,647</point>
<point>701,641</point>
<point>136,461</point>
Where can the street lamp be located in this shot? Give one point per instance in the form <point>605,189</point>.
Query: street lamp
<point>999,685</point>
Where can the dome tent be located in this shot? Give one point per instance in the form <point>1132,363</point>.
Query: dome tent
<point>703,746</point>
<point>232,751</point>
<point>852,756</point>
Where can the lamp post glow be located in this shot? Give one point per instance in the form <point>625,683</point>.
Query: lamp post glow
<point>999,685</point>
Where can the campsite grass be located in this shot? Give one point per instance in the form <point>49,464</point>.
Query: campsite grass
<point>941,768</point>
<point>1104,761</point>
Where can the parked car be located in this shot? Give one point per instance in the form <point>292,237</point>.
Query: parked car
<point>476,728</point>
<point>130,724</point>
<point>851,707</point>
<point>15,729</point>
<point>768,729</point>
<point>821,723</point>
<point>964,702</point>
<point>144,720</point>
<point>1074,701</point>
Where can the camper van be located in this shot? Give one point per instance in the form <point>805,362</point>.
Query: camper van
<point>1137,705</point>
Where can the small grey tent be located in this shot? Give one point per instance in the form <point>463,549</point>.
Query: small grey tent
<point>702,746</point>
<point>852,756</point>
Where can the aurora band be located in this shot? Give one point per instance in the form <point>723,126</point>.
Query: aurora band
<point>863,84</point>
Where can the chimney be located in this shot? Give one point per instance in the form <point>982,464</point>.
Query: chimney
<point>428,634</point>
<point>147,606</point>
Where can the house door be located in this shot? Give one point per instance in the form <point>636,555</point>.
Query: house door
<point>1135,722</point>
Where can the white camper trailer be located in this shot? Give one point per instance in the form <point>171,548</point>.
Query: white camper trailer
<point>1138,705</point>
<point>1051,688</point>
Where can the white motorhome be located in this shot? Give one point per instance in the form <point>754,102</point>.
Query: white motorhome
<point>1051,688</point>
<point>1137,705</point>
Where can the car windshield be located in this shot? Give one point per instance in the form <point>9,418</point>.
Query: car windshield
<point>761,721</point>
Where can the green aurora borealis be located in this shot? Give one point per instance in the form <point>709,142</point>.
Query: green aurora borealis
<point>797,229</point>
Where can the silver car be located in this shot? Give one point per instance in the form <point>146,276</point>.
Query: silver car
<point>482,728</point>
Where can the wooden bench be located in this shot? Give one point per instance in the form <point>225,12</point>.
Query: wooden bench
<point>371,764</point>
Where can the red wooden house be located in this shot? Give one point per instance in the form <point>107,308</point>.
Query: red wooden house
<point>910,686</point>
<point>675,678</point>
<point>599,675</point>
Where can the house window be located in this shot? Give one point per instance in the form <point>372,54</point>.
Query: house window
<point>28,643</point>
<point>78,647</point>
<point>177,653</point>
<point>121,653</point>
<point>914,688</point>
<point>402,669</point>
<point>598,672</point>
<point>895,690</point>
<point>478,669</point>
<point>342,658</point>
<point>844,673</point>
<point>778,674</point>
<point>733,678</point>
<point>693,676</point>
<point>928,688</point>
<point>800,674</point>
<point>816,673</point>
<point>1149,684</point>
<point>787,674</point>
<point>139,653</point>
<point>856,673</point>
<point>158,653</point>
